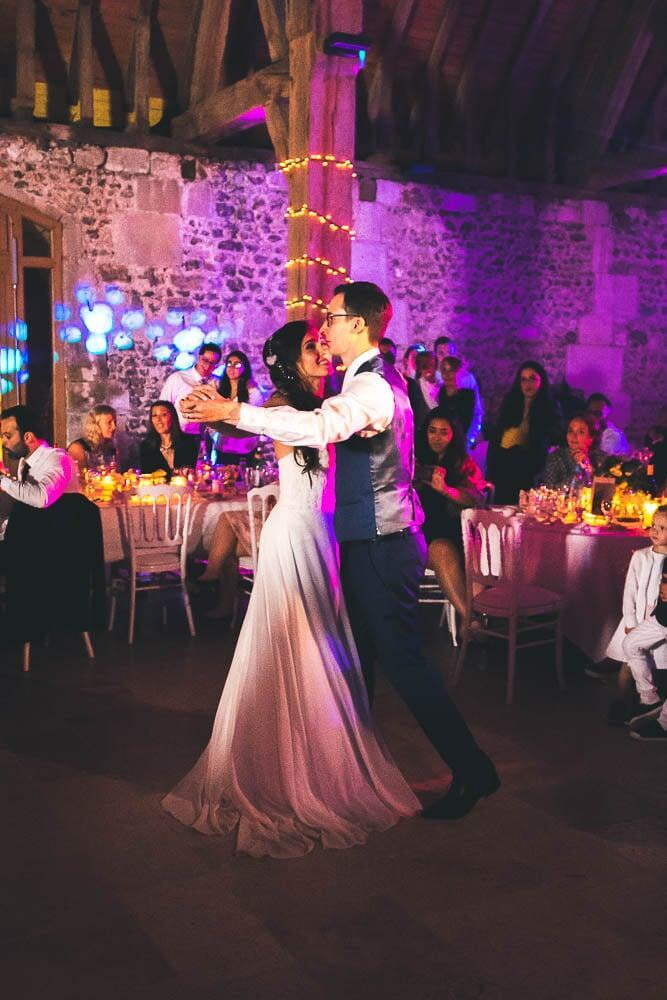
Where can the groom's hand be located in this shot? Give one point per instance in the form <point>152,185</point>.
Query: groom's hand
<point>206,405</point>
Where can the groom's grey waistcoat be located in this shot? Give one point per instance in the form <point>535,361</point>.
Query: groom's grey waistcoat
<point>374,492</point>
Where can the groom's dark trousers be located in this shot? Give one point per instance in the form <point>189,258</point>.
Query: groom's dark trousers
<point>381,580</point>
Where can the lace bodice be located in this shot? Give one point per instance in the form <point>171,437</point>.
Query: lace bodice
<point>301,491</point>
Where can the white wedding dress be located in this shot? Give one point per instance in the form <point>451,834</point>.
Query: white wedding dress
<point>294,759</point>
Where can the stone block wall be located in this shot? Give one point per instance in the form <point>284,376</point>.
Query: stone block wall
<point>578,284</point>
<point>172,233</point>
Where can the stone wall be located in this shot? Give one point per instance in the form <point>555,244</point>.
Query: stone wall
<point>172,233</point>
<point>578,284</point>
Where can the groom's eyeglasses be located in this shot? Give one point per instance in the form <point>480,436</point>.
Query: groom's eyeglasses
<point>330,317</point>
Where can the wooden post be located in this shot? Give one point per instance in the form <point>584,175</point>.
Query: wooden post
<point>84,60</point>
<point>23,104</point>
<point>139,69</point>
<point>319,166</point>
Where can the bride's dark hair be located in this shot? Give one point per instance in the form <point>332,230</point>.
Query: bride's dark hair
<point>281,352</point>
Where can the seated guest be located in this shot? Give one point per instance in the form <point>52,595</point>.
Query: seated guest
<point>458,403</point>
<point>444,347</point>
<point>388,349</point>
<point>44,473</point>
<point>580,458</point>
<point>237,383</point>
<point>165,446</point>
<point>612,439</point>
<point>640,641</point>
<point>526,426</point>
<point>424,390</point>
<point>447,481</point>
<point>180,384</point>
<point>96,448</point>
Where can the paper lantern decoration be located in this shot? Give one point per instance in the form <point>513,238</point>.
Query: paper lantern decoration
<point>98,318</point>
<point>162,353</point>
<point>123,342</point>
<point>133,319</point>
<point>184,361</point>
<point>220,370</point>
<point>175,317</point>
<point>115,296</point>
<point>97,343</point>
<point>19,329</point>
<point>189,340</point>
<point>216,337</point>
<point>154,331</point>
<point>5,386</point>
<point>71,335</point>
<point>11,360</point>
<point>198,317</point>
<point>23,377</point>
<point>85,295</point>
<point>61,312</point>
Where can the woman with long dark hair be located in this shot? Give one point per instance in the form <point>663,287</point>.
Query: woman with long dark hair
<point>447,481</point>
<point>293,759</point>
<point>237,383</point>
<point>165,446</point>
<point>526,426</point>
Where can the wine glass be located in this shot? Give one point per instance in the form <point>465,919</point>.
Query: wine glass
<point>606,508</point>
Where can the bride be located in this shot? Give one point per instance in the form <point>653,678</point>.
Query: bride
<point>293,759</point>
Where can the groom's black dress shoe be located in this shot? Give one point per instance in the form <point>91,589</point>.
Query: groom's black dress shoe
<point>458,801</point>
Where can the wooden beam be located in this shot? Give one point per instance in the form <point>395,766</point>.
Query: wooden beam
<point>139,68</point>
<point>206,50</point>
<point>467,90</point>
<point>322,112</point>
<point>614,171</point>
<point>274,29</point>
<point>601,104</point>
<point>231,109</point>
<point>23,103</point>
<point>277,122</point>
<point>379,91</point>
<point>527,43</point>
<point>81,63</point>
<point>436,58</point>
<point>442,37</point>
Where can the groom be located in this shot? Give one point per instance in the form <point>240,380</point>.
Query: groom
<point>378,523</point>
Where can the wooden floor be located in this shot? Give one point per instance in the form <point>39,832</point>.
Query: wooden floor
<point>554,888</point>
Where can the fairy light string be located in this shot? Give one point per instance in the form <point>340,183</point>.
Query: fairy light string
<point>308,212</point>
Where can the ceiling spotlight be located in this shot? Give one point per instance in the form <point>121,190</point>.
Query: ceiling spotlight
<point>340,43</point>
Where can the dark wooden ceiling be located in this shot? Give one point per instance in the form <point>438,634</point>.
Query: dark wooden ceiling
<point>566,91</point>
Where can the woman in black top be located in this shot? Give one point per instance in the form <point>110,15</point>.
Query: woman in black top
<point>165,445</point>
<point>457,403</point>
<point>447,480</point>
<point>528,423</point>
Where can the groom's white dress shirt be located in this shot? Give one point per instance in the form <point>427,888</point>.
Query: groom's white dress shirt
<point>365,405</point>
<point>50,473</point>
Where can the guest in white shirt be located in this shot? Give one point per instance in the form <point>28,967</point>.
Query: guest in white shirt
<point>180,384</point>
<point>612,439</point>
<point>423,391</point>
<point>445,347</point>
<point>44,473</point>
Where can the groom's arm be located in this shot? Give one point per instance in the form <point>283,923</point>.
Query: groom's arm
<point>365,406</point>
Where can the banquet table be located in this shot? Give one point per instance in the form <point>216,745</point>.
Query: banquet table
<point>587,565</point>
<point>206,509</point>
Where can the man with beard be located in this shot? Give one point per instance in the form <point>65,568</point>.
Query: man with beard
<point>44,473</point>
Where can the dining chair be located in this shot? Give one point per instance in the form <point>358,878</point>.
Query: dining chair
<point>495,590</point>
<point>261,500</point>
<point>430,592</point>
<point>157,534</point>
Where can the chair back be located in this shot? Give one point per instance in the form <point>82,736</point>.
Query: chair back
<point>157,529</point>
<point>491,543</point>
<point>262,499</point>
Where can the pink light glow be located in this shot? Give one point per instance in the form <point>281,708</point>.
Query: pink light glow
<point>249,118</point>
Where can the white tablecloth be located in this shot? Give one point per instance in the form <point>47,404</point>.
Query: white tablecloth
<point>205,514</point>
<point>588,570</point>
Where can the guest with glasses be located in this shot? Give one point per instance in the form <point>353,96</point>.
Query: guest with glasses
<point>237,383</point>
<point>180,384</point>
